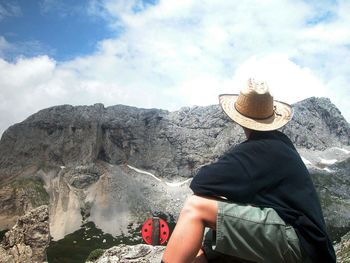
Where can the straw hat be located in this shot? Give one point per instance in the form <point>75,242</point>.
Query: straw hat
<point>254,108</point>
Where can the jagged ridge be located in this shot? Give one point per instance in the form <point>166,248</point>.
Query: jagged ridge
<point>169,143</point>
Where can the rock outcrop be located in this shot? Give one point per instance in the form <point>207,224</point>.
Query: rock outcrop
<point>27,241</point>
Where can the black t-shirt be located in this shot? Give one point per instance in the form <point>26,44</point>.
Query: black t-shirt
<point>267,171</point>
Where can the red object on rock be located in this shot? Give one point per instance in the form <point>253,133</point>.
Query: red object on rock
<point>155,231</point>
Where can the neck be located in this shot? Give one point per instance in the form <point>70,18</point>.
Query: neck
<point>247,132</point>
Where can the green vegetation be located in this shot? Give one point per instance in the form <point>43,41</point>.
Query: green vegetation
<point>95,254</point>
<point>33,188</point>
<point>89,241</point>
<point>333,194</point>
<point>2,234</point>
<point>21,194</point>
<point>77,246</point>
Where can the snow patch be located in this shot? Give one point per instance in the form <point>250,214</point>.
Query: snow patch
<point>173,184</point>
<point>327,170</point>
<point>178,183</point>
<point>328,162</point>
<point>144,172</point>
<point>343,150</point>
<point>306,161</point>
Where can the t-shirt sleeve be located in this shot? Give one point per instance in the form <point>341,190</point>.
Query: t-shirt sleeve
<point>225,178</point>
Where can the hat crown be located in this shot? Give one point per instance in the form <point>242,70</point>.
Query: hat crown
<point>255,101</point>
<point>254,108</point>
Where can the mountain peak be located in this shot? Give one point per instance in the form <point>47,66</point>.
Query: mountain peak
<point>318,124</point>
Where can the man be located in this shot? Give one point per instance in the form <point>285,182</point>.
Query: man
<point>258,198</point>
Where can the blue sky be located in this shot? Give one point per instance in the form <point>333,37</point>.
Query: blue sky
<point>168,54</point>
<point>60,29</point>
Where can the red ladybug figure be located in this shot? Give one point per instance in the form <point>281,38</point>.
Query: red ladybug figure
<point>155,231</point>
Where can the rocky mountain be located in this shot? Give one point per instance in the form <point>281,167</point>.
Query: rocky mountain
<point>170,143</point>
<point>117,165</point>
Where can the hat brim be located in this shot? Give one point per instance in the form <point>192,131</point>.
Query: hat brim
<point>283,113</point>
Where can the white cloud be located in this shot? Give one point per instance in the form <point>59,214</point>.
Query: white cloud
<point>287,81</point>
<point>22,88</point>
<point>179,53</point>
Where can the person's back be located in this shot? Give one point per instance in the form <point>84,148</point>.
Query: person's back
<point>267,171</point>
<point>258,198</point>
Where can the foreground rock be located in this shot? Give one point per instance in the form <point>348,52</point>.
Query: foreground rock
<point>153,254</point>
<point>132,254</point>
<point>27,241</point>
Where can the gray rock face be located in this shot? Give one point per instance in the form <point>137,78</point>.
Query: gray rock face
<point>27,241</point>
<point>169,143</point>
<point>317,124</point>
<point>83,176</point>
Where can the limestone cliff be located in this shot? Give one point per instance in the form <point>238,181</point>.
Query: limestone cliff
<point>170,143</point>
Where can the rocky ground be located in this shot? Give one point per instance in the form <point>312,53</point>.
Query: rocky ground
<point>138,253</point>
<point>26,243</point>
<point>153,254</point>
